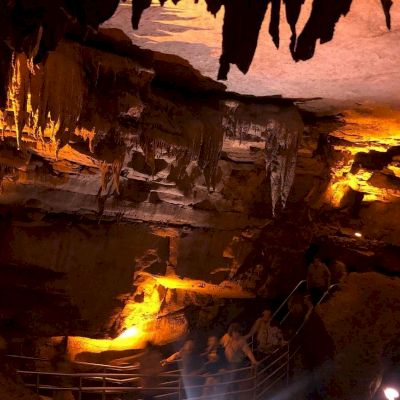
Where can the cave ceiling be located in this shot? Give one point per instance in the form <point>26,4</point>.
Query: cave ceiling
<point>357,65</point>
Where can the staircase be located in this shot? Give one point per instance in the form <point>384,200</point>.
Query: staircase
<point>110,382</point>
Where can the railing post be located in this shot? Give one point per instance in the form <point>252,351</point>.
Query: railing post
<point>37,382</point>
<point>103,393</point>
<point>255,383</point>
<point>80,388</point>
<point>179,389</point>
<point>288,365</point>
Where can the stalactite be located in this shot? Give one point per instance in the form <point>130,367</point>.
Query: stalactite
<point>138,6</point>
<point>280,162</point>
<point>281,130</point>
<point>18,93</point>
<point>60,100</point>
<point>41,99</point>
<point>242,23</point>
<point>387,5</point>
<point>211,146</point>
<point>243,20</point>
<point>293,8</point>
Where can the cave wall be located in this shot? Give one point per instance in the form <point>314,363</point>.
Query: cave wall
<point>360,322</point>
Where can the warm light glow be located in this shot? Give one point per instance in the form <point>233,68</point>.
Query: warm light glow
<point>366,129</point>
<point>391,393</point>
<point>129,333</point>
<point>141,320</point>
<point>358,234</point>
<point>224,289</point>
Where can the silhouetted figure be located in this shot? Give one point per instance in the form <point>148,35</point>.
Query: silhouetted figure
<point>215,362</point>
<point>236,347</point>
<point>192,364</point>
<point>267,335</point>
<point>300,307</point>
<point>61,364</point>
<point>318,280</point>
<point>236,352</point>
<point>150,367</point>
<point>338,272</point>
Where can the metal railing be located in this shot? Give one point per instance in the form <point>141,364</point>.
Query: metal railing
<point>247,380</point>
<point>272,372</point>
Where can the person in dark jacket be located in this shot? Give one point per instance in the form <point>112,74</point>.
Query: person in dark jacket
<point>150,368</point>
<point>338,272</point>
<point>318,280</point>
<point>191,363</point>
<point>215,363</point>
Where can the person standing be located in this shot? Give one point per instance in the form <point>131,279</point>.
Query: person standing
<point>215,362</point>
<point>192,363</point>
<point>236,347</point>
<point>318,280</point>
<point>338,272</point>
<point>268,337</point>
<point>150,370</point>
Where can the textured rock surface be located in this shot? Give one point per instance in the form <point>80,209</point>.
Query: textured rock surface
<point>192,169</point>
<point>363,338</point>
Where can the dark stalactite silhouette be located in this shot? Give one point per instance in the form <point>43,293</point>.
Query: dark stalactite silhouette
<point>293,8</point>
<point>243,20</point>
<point>37,27</point>
<point>138,6</point>
<point>387,4</point>
<point>321,25</point>
<point>240,33</point>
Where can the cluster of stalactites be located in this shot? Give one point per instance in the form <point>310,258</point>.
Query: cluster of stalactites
<point>46,101</point>
<point>243,21</point>
<point>46,97</point>
<point>281,130</point>
<point>183,136</point>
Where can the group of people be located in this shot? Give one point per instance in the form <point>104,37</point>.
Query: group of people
<point>215,369</point>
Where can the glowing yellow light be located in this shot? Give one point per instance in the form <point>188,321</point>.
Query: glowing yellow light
<point>358,234</point>
<point>391,394</point>
<point>129,333</point>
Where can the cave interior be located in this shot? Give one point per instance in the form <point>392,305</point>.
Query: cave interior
<point>167,170</point>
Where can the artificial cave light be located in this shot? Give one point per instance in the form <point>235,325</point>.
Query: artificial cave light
<point>129,333</point>
<point>391,393</point>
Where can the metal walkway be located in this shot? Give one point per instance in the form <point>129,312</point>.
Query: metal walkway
<point>107,382</point>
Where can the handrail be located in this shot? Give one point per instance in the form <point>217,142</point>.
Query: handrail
<point>300,283</point>
<point>263,378</point>
<point>83,363</point>
<point>288,298</point>
<point>327,292</point>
